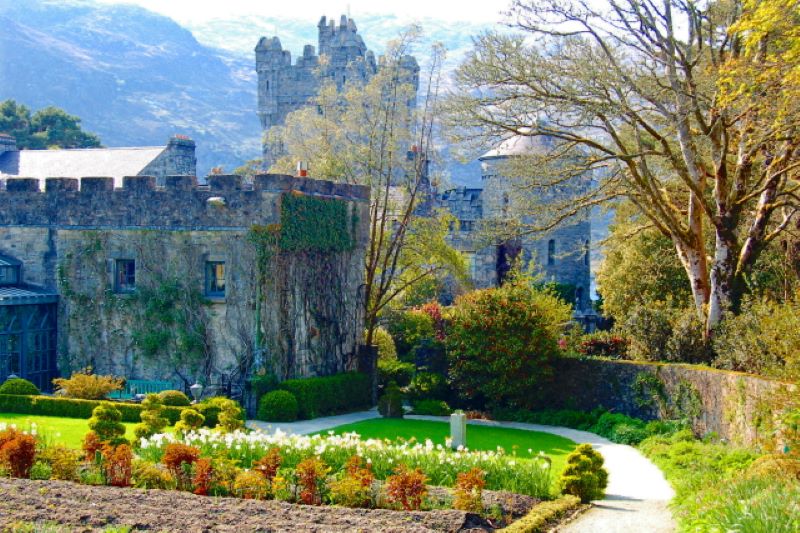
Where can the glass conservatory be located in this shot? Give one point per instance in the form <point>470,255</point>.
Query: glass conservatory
<point>28,321</point>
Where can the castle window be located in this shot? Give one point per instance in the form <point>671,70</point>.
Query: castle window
<point>551,252</point>
<point>215,279</point>
<point>124,275</point>
<point>9,275</point>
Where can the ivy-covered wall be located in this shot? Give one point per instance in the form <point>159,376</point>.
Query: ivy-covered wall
<point>737,407</point>
<point>293,252</point>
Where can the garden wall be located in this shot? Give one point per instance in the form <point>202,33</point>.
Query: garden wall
<point>738,407</point>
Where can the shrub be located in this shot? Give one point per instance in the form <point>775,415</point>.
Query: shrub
<point>63,462</point>
<point>649,329</point>
<point>179,458</point>
<point>311,474</point>
<point>261,383</point>
<point>394,370</point>
<point>153,420</point>
<point>469,491</point>
<point>409,328</point>
<point>174,398</point>
<point>210,409</point>
<point>225,472</point>
<point>203,477</point>
<point>19,386</point>
<point>74,408</point>
<point>269,465</point>
<point>278,406</point>
<point>17,452</point>
<point>604,344</point>
<point>41,471</point>
<point>146,475</point>
<point>118,463</point>
<point>91,446</point>
<point>87,386</point>
<point>542,514</point>
<point>501,342</point>
<point>250,485</point>
<point>383,340</point>
<point>428,386</point>
<point>687,343</point>
<point>231,415</point>
<point>631,434</point>
<point>105,423</point>
<point>608,421</point>
<point>584,475</point>
<point>190,420</point>
<point>323,396</point>
<point>354,487</point>
<point>406,487</point>
<point>776,466</point>
<point>432,408</point>
<point>390,405</point>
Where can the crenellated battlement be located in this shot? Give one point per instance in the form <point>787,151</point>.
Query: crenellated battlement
<point>226,201</point>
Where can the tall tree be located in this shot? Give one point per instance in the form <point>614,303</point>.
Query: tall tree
<point>375,134</point>
<point>636,92</point>
<point>50,127</point>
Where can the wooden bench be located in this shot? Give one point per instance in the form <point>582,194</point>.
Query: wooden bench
<point>142,386</point>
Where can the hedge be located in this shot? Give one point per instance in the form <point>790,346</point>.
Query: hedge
<point>542,516</point>
<point>73,408</point>
<point>330,395</point>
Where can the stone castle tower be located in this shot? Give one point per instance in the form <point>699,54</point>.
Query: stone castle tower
<point>284,87</point>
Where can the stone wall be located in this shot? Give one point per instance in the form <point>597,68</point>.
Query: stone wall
<point>733,405</point>
<point>69,237</point>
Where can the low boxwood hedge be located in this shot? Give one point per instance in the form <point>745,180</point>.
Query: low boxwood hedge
<point>73,408</point>
<point>330,395</point>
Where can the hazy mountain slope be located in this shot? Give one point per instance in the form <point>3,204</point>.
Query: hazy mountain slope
<point>134,77</point>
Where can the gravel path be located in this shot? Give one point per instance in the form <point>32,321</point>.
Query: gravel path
<point>636,497</point>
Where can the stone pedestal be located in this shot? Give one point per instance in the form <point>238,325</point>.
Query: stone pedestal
<point>458,429</point>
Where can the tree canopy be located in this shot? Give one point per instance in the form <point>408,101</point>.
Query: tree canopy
<point>50,127</point>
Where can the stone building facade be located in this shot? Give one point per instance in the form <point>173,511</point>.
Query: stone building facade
<point>560,256</point>
<point>177,158</point>
<point>180,282</point>
<point>284,86</point>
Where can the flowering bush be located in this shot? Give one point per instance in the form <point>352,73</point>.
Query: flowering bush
<point>407,487</point>
<point>441,465</point>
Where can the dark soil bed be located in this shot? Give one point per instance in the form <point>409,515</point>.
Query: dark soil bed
<point>88,508</point>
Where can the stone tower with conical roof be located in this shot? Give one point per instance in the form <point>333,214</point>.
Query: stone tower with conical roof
<point>284,87</point>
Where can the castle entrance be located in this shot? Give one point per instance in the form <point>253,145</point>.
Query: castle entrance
<point>28,339</point>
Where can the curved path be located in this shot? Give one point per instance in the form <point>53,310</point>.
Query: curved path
<point>636,497</point>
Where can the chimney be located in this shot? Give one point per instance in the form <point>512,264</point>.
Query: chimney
<point>7,143</point>
<point>302,169</point>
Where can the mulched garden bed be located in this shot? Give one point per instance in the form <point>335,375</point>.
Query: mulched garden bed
<point>94,508</point>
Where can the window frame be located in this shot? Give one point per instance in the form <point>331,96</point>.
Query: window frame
<point>15,275</point>
<point>211,279</point>
<point>129,285</point>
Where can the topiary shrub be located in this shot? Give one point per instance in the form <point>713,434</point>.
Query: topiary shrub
<point>393,370</point>
<point>153,420</point>
<point>584,475</point>
<point>432,408</point>
<point>231,415</point>
<point>428,386</point>
<point>174,398</point>
<point>106,424</point>
<point>277,406</point>
<point>87,386</point>
<point>385,344</point>
<point>190,420</point>
<point>501,342</point>
<point>19,387</point>
<point>390,405</point>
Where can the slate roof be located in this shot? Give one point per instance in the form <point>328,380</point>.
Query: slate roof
<point>78,163</point>
<point>26,296</point>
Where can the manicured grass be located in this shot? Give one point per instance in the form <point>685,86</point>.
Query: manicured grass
<point>513,441</point>
<point>67,431</point>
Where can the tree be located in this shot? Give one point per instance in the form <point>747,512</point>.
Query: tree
<point>50,127</point>
<point>374,134</point>
<point>637,93</point>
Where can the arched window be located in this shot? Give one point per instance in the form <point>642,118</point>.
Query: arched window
<point>551,252</point>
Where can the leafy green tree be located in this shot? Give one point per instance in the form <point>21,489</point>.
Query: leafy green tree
<point>50,127</point>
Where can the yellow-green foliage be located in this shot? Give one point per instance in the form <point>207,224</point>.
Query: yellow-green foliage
<point>231,416</point>
<point>542,514</point>
<point>147,475</point>
<point>87,386</point>
<point>63,462</point>
<point>584,475</point>
<point>385,343</point>
<point>153,420</point>
<point>251,485</point>
<point>190,420</point>
<point>776,466</point>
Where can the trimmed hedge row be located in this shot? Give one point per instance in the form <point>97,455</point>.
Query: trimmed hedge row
<point>73,408</point>
<point>544,514</point>
<point>330,395</point>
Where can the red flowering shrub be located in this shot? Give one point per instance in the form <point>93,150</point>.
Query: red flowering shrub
<point>407,487</point>
<point>501,341</point>
<point>118,464</point>
<point>17,452</point>
<point>434,310</point>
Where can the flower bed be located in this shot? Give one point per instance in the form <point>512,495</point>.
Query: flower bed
<point>441,465</point>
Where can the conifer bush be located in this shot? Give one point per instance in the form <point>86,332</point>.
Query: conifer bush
<point>174,398</point>
<point>584,475</point>
<point>190,420</point>
<point>153,420</point>
<point>106,424</point>
<point>19,387</point>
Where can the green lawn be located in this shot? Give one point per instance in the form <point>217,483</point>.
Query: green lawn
<point>67,431</point>
<point>523,443</point>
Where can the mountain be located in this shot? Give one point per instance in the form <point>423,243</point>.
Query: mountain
<point>133,76</point>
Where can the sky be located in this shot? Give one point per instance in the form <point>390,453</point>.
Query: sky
<point>200,11</point>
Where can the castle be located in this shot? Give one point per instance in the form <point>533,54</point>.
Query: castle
<point>182,281</point>
<point>284,87</point>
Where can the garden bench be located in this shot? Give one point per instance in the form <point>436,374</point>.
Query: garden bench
<point>142,386</point>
